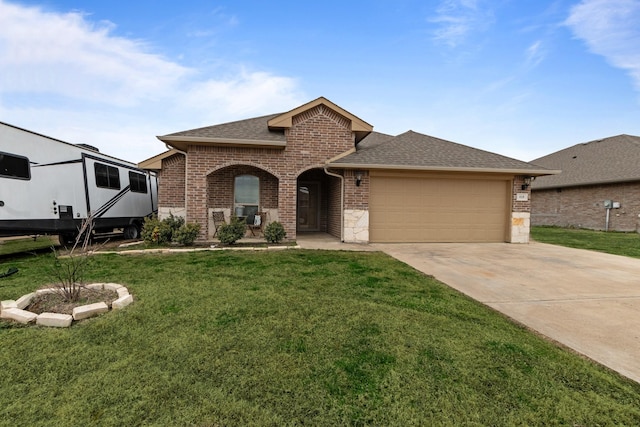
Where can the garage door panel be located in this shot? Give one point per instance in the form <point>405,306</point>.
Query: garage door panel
<point>414,209</point>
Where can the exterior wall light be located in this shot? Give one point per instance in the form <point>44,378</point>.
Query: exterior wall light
<point>358,178</point>
<point>527,182</point>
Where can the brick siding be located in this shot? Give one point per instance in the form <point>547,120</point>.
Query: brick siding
<point>356,197</point>
<point>518,205</point>
<point>315,136</point>
<point>583,207</point>
<point>171,182</point>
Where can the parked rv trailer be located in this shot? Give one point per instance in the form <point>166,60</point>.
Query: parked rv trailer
<point>48,186</point>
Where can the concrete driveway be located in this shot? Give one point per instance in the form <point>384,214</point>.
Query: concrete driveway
<point>586,300</point>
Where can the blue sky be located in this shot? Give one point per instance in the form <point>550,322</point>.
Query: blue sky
<point>521,78</point>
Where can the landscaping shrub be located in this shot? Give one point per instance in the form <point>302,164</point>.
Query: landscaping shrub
<point>274,232</point>
<point>186,234</point>
<point>232,232</point>
<point>171,229</point>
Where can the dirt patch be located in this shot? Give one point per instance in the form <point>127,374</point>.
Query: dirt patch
<point>54,303</point>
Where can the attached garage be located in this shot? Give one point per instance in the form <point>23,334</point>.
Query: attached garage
<point>423,207</point>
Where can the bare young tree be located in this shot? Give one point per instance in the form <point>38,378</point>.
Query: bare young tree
<point>69,270</point>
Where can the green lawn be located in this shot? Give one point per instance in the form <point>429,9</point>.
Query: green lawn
<point>627,244</point>
<point>288,338</point>
<point>13,246</point>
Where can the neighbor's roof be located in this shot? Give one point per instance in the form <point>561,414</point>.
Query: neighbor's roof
<point>413,150</point>
<point>603,161</point>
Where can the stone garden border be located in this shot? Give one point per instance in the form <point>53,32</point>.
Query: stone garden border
<point>15,310</point>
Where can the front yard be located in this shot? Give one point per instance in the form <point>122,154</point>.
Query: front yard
<point>287,338</point>
<point>617,243</point>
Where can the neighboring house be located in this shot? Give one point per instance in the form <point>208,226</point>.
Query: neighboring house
<point>596,174</point>
<point>320,168</point>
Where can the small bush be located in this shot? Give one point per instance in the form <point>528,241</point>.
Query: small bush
<point>174,222</point>
<point>171,229</point>
<point>186,234</point>
<point>274,232</point>
<point>232,232</point>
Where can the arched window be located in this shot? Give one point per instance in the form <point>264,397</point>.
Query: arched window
<point>246,194</point>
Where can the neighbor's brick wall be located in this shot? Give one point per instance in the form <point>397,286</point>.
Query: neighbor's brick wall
<point>171,182</point>
<point>316,135</point>
<point>583,207</point>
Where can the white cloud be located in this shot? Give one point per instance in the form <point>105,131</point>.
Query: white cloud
<point>457,19</point>
<point>73,79</point>
<point>535,54</point>
<point>610,28</point>
<point>64,54</point>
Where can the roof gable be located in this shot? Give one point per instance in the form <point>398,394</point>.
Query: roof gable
<point>285,120</point>
<point>602,161</point>
<point>155,162</point>
<point>413,150</point>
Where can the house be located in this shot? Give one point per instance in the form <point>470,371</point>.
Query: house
<point>320,168</point>
<point>599,187</point>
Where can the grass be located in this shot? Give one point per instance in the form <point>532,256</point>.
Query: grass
<point>289,338</point>
<point>14,246</point>
<point>617,243</point>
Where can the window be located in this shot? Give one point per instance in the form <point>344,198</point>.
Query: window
<point>246,192</point>
<point>107,176</point>
<point>138,182</point>
<point>12,166</point>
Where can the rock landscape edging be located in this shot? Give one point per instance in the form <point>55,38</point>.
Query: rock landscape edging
<point>15,310</point>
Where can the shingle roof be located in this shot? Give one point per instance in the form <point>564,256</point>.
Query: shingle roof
<point>249,129</point>
<point>413,150</point>
<point>609,160</point>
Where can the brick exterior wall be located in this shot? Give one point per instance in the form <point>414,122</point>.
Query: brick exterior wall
<point>171,182</point>
<point>315,136</point>
<point>517,205</point>
<point>583,207</point>
<point>334,208</point>
<point>356,197</point>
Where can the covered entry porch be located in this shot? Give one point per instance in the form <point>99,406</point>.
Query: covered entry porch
<point>319,203</point>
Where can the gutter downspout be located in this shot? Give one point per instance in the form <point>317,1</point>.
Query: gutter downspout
<point>341,201</point>
<point>185,176</point>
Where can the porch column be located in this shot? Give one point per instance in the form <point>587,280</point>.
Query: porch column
<point>197,203</point>
<point>287,193</point>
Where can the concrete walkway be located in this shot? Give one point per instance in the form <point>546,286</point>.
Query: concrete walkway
<point>588,301</point>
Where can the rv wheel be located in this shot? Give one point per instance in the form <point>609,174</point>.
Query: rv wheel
<point>131,232</point>
<point>67,239</point>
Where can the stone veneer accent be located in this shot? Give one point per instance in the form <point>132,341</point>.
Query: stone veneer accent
<point>13,310</point>
<point>520,227</point>
<point>520,211</point>
<point>356,226</point>
<point>164,212</point>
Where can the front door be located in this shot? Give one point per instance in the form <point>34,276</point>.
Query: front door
<point>308,206</point>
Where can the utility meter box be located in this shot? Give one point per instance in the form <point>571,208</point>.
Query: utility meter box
<point>608,204</point>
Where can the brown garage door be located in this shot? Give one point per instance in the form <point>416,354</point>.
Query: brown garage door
<point>430,209</point>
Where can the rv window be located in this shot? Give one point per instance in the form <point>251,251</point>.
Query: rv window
<point>107,176</point>
<point>138,182</point>
<point>12,166</point>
